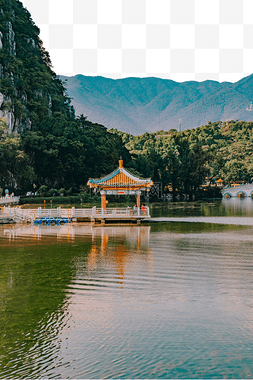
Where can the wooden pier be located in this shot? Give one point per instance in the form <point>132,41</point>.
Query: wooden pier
<point>119,182</point>
<point>128,214</point>
<point>119,215</point>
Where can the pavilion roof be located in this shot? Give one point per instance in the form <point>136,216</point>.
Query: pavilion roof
<point>120,178</point>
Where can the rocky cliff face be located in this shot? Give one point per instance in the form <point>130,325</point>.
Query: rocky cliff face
<point>29,89</point>
<point>7,112</point>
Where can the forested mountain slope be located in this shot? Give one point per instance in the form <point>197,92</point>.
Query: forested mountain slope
<point>218,150</point>
<point>138,105</point>
<point>52,148</point>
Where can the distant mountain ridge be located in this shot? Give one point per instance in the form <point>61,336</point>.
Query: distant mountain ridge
<point>139,105</point>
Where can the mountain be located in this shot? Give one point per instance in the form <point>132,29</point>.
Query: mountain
<point>29,89</point>
<point>139,105</point>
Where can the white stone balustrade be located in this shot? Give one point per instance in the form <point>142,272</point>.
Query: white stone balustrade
<point>19,214</point>
<point>9,200</point>
<point>234,191</point>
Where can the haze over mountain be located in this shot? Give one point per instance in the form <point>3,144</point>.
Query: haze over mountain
<point>138,105</point>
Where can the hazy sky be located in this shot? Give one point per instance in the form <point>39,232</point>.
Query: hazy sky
<point>174,39</point>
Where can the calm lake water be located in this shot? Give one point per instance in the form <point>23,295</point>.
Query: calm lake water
<point>165,300</point>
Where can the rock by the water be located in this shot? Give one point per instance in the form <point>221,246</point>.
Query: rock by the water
<point>4,220</point>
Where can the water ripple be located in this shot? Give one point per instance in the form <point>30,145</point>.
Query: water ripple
<point>177,307</point>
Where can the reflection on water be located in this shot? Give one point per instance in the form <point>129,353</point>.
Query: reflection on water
<point>225,207</point>
<point>238,206</point>
<point>32,233</point>
<point>133,234</point>
<point>171,300</point>
<point>39,281</point>
<point>33,304</point>
<point>125,238</point>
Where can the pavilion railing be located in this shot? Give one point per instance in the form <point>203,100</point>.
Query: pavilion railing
<point>120,212</point>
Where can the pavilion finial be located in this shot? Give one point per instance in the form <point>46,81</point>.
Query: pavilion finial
<point>120,164</point>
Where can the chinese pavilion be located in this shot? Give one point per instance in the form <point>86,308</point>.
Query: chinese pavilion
<point>120,182</point>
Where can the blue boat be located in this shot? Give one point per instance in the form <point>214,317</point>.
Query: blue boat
<point>51,221</point>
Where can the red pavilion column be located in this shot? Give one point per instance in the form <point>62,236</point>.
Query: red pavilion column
<point>138,202</point>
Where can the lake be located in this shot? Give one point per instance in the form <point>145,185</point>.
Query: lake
<point>161,300</point>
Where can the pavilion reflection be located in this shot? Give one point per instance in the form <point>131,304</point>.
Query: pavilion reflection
<point>138,235</point>
<point>119,247</point>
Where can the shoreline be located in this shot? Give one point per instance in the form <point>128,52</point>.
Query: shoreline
<point>232,220</point>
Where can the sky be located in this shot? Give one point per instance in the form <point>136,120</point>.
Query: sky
<point>173,39</point>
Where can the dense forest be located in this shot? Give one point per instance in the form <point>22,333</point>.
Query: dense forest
<point>221,150</point>
<point>46,145</point>
<point>64,153</point>
<point>183,161</point>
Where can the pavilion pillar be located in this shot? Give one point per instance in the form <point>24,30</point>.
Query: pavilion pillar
<point>138,202</point>
<point>103,201</point>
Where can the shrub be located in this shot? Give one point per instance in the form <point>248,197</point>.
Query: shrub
<point>69,191</point>
<point>84,196</point>
<point>43,190</point>
<point>57,199</point>
<point>53,192</point>
<point>62,192</point>
<point>95,198</point>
